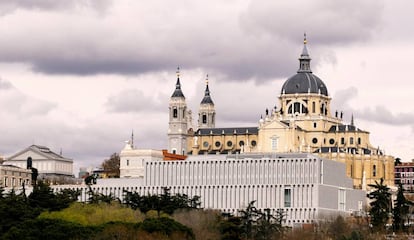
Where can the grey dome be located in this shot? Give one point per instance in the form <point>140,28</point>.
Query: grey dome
<point>304,82</point>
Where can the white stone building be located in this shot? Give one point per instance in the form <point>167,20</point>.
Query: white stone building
<point>14,177</point>
<point>49,164</point>
<point>132,161</point>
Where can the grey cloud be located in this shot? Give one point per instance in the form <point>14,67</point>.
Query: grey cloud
<point>379,114</point>
<point>8,7</point>
<point>383,115</point>
<point>5,84</point>
<point>326,21</point>
<point>134,100</point>
<point>252,44</point>
<point>17,104</point>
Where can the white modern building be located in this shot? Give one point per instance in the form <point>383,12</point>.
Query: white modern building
<point>307,187</point>
<point>48,163</point>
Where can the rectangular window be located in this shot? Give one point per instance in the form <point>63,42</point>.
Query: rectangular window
<point>341,200</point>
<point>288,197</point>
<point>127,162</point>
<point>313,107</point>
<point>274,143</point>
<point>342,140</point>
<point>374,170</point>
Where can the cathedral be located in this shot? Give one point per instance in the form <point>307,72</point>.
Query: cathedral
<point>302,122</point>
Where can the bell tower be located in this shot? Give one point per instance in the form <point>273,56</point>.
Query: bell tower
<point>206,113</point>
<point>177,129</point>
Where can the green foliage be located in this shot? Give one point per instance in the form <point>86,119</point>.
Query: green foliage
<point>165,202</point>
<point>14,209</point>
<point>204,223</point>
<point>119,230</point>
<point>401,209</point>
<point>254,223</point>
<point>230,228</point>
<point>166,226</point>
<point>49,229</point>
<point>95,214</point>
<point>381,204</point>
<point>397,161</point>
<point>44,198</point>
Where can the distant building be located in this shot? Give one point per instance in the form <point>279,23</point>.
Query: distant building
<point>50,165</point>
<point>132,160</point>
<point>12,176</point>
<point>404,174</point>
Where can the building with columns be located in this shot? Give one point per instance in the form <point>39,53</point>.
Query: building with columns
<point>51,166</point>
<point>301,122</point>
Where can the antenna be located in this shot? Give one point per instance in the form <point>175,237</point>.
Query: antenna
<point>132,139</point>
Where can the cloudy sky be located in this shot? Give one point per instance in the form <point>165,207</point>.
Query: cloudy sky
<point>80,75</point>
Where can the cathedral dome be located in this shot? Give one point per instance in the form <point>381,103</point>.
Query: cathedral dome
<point>304,81</point>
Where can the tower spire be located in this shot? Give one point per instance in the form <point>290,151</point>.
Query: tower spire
<point>352,119</point>
<point>304,60</point>
<point>132,139</point>
<point>177,92</point>
<point>207,97</point>
<point>206,113</point>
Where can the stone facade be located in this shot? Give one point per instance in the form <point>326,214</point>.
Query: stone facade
<point>404,174</point>
<point>14,177</point>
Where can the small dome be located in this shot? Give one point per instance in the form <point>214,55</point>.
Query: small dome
<point>304,82</point>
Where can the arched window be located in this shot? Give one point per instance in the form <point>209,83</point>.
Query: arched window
<point>297,108</point>
<point>175,113</point>
<point>351,140</point>
<point>204,118</point>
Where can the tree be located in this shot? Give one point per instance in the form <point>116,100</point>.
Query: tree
<point>397,161</point>
<point>230,228</point>
<point>111,165</point>
<point>380,206</point>
<point>164,202</point>
<point>267,225</point>
<point>43,197</point>
<point>401,209</point>
<point>248,220</point>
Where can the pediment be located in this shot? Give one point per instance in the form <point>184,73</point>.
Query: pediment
<point>275,124</point>
<point>23,155</point>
